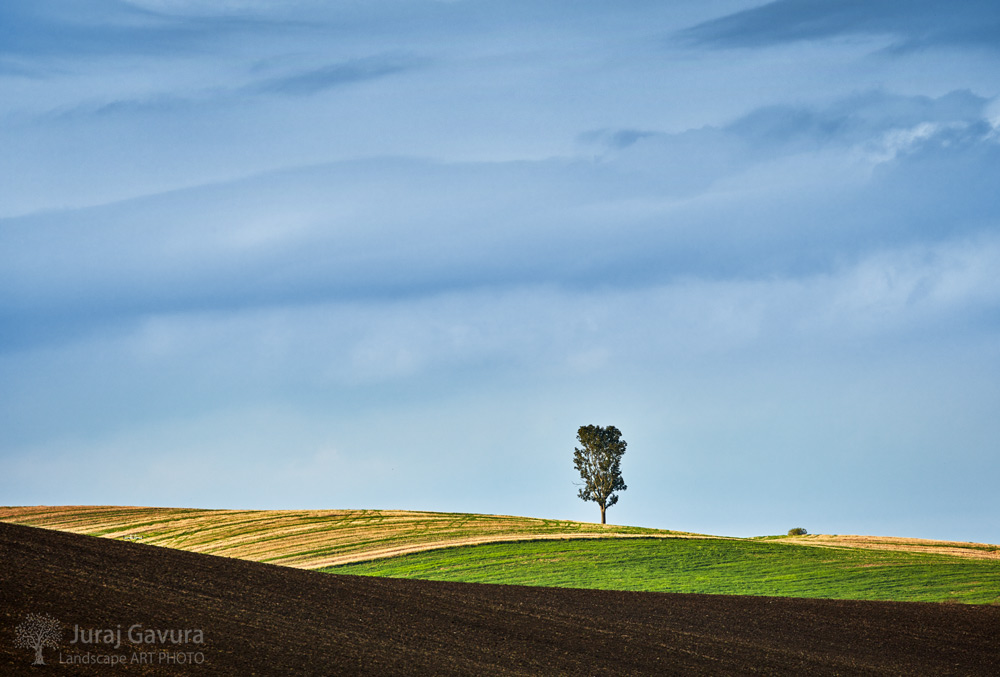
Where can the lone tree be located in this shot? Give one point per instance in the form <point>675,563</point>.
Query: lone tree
<point>599,462</point>
<point>37,632</point>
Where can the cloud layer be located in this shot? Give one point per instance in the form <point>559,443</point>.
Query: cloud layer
<point>416,245</point>
<point>915,25</point>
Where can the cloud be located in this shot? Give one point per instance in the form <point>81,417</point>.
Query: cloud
<point>299,83</point>
<point>856,119</point>
<point>64,29</point>
<point>334,75</point>
<point>912,24</point>
<point>875,364</point>
<point>894,293</point>
<point>780,191</point>
<point>614,138</point>
<point>17,68</point>
<point>826,148</point>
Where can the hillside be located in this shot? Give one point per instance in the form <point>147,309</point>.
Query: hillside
<point>261,619</point>
<point>527,551</point>
<point>307,539</point>
<point>705,565</point>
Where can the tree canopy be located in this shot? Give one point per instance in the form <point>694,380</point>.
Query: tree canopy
<point>598,459</point>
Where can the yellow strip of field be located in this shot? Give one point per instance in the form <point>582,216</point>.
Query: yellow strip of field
<point>920,545</point>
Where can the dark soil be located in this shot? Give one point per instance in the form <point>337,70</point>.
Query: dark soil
<point>270,620</point>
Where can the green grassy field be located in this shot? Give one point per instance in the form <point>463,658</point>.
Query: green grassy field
<point>717,566</point>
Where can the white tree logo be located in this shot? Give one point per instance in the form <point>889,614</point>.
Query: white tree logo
<point>37,632</point>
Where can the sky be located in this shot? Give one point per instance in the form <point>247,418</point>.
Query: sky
<point>394,253</point>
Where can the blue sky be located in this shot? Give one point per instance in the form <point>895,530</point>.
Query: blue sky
<point>393,253</point>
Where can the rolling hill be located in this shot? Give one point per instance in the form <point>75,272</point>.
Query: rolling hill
<point>307,539</point>
<point>747,567</point>
<point>529,551</point>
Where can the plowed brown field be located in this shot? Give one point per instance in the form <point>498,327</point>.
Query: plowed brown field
<point>270,620</point>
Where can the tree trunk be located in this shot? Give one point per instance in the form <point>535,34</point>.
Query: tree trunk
<point>602,515</point>
<point>38,656</point>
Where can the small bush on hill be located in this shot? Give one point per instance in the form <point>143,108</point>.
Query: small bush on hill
<point>797,531</point>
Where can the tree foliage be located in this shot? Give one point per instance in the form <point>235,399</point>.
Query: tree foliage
<point>598,459</point>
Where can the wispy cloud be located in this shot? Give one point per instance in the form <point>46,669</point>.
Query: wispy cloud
<point>62,29</point>
<point>302,82</point>
<point>911,24</point>
<point>859,119</point>
<point>614,138</point>
<point>316,80</point>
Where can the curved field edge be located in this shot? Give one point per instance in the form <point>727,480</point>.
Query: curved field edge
<point>715,566</point>
<point>309,539</point>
